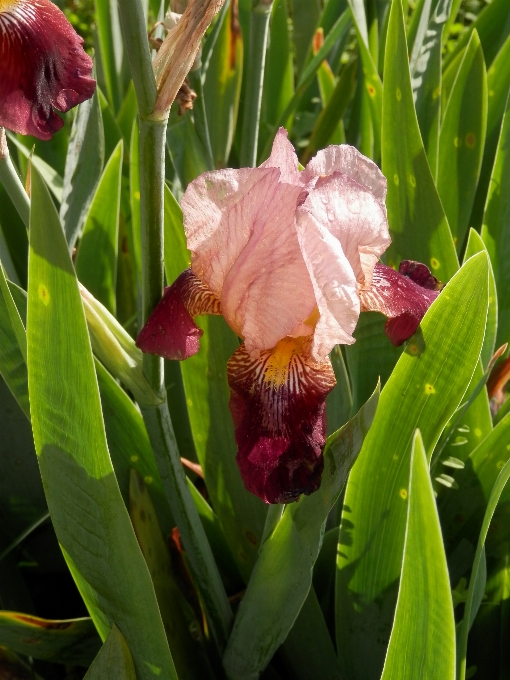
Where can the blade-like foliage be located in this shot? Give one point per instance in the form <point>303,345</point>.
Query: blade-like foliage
<point>423,391</point>
<point>89,516</point>
<point>422,642</point>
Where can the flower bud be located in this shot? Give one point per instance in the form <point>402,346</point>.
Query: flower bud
<point>117,350</point>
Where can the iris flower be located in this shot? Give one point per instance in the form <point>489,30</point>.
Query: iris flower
<point>289,259</point>
<point>43,67</point>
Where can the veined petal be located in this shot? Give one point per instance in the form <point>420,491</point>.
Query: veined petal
<point>334,285</point>
<point>284,158</point>
<point>278,407</point>
<point>352,214</point>
<point>349,161</point>
<point>43,67</point>
<point>170,331</point>
<point>398,297</point>
<point>240,226</point>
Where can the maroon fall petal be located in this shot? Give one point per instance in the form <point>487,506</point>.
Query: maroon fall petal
<point>403,297</point>
<point>170,331</point>
<point>278,408</point>
<point>43,67</point>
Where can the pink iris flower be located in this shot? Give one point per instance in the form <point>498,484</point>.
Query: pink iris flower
<point>42,67</point>
<point>289,259</point>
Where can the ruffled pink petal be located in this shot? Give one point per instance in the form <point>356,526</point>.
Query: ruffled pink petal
<point>284,158</point>
<point>351,213</point>
<point>399,298</point>
<point>278,407</point>
<point>349,161</point>
<point>334,285</point>
<point>240,227</point>
<point>170,331</point>
<point>43,67</point>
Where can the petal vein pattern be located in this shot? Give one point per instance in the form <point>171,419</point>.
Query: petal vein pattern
<point>171,331</point>
<point>399,298</point>
<point>240,228</point>
<point>278,407</point>
<point>43,67</point>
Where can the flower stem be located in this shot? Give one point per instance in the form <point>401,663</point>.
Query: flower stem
<point>259,27</point>
<point>12,183</point>
<point>134,29</point>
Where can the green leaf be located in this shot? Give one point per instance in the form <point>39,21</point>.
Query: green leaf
<point>308,650</point>
<point>282,576</point>
<point>462,511</point>
<point>372,81</point>
<point>418,225</point>
<point>462,140</point>
<point>492,27</point>
<point>73,641</point>
<point>84,165</point>
<point>111,50</point>
<point>422,642</point>
<point>329,122</point>
<point>114,660</point>
<point>278,87</point>
<point>496,227</point>
<point>339,400</point>
<point>14,234</point>
<point>14,317</point>
<point>498,78</point>
<point>471,600</point>
<point>475,245</point>
<point>423,392</point>
<point>426,79</point>
<point>371,358</point>
<point>305,15</point>
<point>12,363</point>
<point>112,131</point>
<point>222,87</point>
<point>50,175</point>
<point>96,259</point>
<point>241,514</point>
<point>178,616</point>
<point>187,152</point>
<point>88,514</point>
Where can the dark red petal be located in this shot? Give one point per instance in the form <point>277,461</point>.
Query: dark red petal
<point>420,274</point>
<point>399,298</point>
<point>42,67</point>
<point>278,407</point>
<point>170,331</point>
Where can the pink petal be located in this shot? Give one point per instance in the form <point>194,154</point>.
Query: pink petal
<point>284,158</point>
<point>43,66</point>
<point>334,285</point>
<point>349,161</point>
<point>240,226</point>
<point>351,214</point>
<point>277,404</point>
<point>399,298</point>
<point>170,331</point>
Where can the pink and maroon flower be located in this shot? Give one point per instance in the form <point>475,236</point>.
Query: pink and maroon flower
<point>43,67</point>
<point>290,259</point>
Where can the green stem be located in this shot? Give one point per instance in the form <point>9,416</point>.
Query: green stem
<point>152,139</point>
<point>134,28</point>
<point>259,26</point>
<point>15,189</point>
<point>200,116</point>
<point>203,567</point>
<point>157,419</point>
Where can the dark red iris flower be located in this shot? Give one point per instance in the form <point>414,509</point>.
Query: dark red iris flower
<point>43,67</point>
<point>289,259</point>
